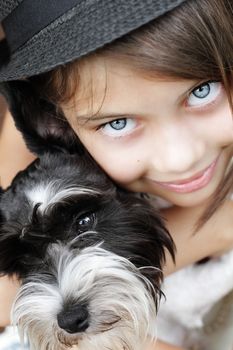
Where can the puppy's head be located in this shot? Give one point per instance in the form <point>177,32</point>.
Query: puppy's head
<point>89,254</point>
<point>56,195</point>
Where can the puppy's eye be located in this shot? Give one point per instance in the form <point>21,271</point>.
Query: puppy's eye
<point>86,222</point>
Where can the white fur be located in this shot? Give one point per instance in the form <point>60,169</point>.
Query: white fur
<point>111,285</point>
<point>190,294</point>
<point>54,192</point>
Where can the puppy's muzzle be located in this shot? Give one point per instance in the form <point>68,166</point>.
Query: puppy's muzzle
<point>74,319</point>
<point>90,298</point>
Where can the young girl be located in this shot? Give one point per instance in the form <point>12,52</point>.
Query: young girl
<point>148,90</point>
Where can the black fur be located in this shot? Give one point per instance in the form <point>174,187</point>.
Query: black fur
<point>43,125</point>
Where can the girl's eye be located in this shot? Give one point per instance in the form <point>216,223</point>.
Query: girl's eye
<point>118,127</point>
<point>204,94</point>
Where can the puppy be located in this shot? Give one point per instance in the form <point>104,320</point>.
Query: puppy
<point>89,254</point>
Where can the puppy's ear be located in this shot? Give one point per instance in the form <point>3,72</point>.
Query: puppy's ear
<point>43,126</point>
<point>17,256</point>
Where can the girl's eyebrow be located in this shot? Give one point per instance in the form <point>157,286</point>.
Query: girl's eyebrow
<point>100,116</point>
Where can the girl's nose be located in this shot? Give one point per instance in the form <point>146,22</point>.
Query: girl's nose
<point>177,150</point>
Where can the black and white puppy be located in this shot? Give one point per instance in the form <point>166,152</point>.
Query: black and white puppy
<point>89,254</point>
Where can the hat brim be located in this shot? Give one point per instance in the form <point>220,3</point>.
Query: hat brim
<point>85,28</point>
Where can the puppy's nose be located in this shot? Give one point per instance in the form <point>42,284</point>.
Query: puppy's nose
<point>73,319</point>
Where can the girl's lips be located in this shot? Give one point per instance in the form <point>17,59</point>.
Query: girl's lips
<point>194,183</point>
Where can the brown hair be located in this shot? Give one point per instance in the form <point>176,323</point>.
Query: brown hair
<point>194,41</point>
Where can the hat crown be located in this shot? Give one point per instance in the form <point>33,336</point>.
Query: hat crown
<point>43,34</point>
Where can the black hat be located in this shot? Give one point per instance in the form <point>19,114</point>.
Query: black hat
<point>42,34</point>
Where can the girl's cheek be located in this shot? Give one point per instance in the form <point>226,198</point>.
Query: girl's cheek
<point>223,132</point>
<point>119,159</point>
<point>215,127</point>
<point>122,168</point>
<point>121,164</point>
<point>220,135</point>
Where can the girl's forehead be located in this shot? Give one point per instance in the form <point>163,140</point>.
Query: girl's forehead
<point>106,85</point>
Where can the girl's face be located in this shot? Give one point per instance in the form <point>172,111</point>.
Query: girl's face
<point>172,138</point>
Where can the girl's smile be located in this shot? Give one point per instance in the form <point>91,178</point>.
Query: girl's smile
<point>171,138</point>
<point>194,183</point>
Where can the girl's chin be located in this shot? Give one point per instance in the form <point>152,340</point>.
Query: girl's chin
<point>188,201</point>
